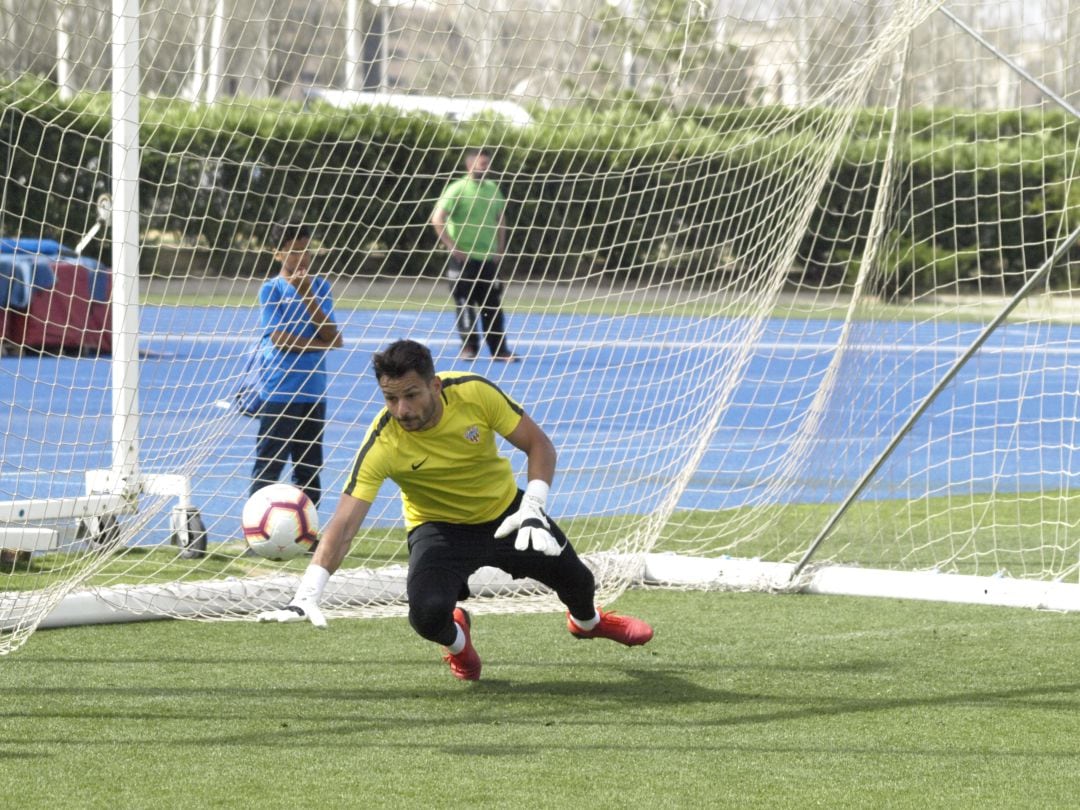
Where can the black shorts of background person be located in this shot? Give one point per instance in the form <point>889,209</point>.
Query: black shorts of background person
<point>477,294</point>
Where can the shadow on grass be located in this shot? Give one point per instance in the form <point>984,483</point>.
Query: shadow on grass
<point>258,718</point>
<point>634,686</point>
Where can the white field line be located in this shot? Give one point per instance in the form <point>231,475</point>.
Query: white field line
<point>647,343</point>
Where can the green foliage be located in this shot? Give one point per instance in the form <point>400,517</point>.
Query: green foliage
<point>55,158</point>
<point>625,187</point>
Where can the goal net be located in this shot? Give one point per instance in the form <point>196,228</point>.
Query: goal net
<point>790,284</point>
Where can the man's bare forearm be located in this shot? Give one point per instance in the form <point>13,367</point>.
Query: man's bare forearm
<point>295,343</point>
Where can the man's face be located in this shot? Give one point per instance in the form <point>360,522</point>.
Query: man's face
<point>415,403</point>
<point>478,165</point>
<point>294,257</point>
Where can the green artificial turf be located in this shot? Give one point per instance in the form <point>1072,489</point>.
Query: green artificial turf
<point>741,700</point>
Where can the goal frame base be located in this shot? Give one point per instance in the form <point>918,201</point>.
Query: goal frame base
<point>740,574</point>
<point>383,587</point>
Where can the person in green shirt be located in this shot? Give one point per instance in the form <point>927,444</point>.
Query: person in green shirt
<point>468,221</point>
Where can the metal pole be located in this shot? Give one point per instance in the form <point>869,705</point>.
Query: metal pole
<point>63,47</point>
<point>384,47</point>
<point>352,46</point>
<point>216,56</point>
<point>198,67</point>
<point>1034,281</point>
<point>1012,64</point>
<point>125,244</point>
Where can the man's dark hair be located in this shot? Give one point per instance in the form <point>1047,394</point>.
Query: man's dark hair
<point>401,357</point>
<point>282,233</point>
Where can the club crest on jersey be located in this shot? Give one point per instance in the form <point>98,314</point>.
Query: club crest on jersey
<point>473,434</point>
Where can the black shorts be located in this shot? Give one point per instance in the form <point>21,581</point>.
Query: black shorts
<point>449,553</point>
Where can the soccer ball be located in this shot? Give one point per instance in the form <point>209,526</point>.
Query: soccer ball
<point>280,522</point>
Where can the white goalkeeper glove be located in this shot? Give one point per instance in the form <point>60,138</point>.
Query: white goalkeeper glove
<point>305,604</point>
<point>530,523</point>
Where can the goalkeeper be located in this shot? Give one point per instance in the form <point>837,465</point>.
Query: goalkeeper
<point>436,439</point>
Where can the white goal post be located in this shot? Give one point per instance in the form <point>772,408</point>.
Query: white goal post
<point>792,284</point>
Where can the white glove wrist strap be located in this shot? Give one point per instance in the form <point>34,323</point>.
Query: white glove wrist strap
<point>538,490</point>
<point>312,583</point>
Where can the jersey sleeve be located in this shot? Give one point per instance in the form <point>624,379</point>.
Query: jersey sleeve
<point>504,414</point>
<point>498,202</point>
<point>324,296</point>
<point>369,469</point>
<point>448,199</point>
<point>269,311</point>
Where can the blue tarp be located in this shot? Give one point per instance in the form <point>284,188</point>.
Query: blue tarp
<point>21,276</point>
<point>43,247</point>
<point>99,279</point>
<point>17,282</point>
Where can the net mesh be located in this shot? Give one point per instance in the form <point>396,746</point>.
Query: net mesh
<point>746,240</point>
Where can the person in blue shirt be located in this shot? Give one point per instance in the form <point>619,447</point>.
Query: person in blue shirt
<point>298,329</point>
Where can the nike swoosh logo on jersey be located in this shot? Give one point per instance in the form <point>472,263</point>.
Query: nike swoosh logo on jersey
<point>419,463</point>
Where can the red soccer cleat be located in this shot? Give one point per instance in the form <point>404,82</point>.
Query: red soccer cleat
<point>465,665</point>
<point>623,629</point>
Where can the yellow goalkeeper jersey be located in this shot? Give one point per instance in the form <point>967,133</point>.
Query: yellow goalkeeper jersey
<point>452,472</point>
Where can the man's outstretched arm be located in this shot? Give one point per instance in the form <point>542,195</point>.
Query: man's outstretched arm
<point>333,545</point>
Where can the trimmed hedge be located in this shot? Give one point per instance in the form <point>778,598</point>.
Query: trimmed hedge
<point>625,188</point>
